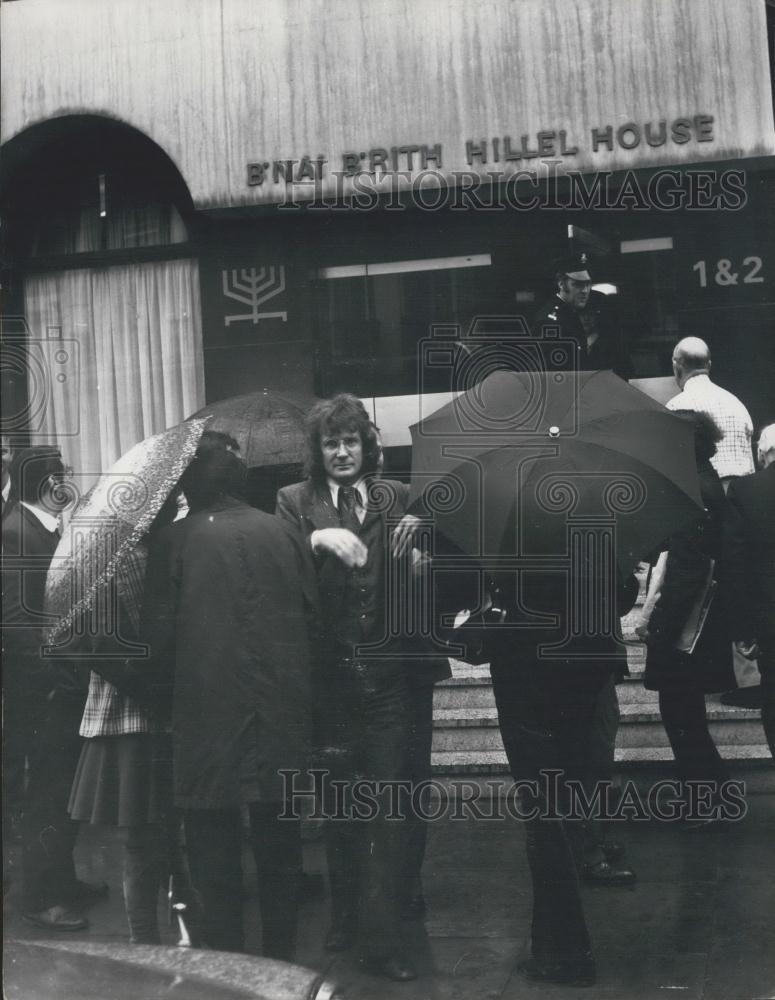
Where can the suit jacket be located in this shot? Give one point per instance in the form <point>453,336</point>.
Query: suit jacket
<point>225,611</point>
<point>28,548</point>
<point>309,508</point>
<point>749,554</point>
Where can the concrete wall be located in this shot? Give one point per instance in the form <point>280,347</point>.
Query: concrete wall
<point>219,84</point>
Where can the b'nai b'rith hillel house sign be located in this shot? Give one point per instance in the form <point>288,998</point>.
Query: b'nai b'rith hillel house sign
<point>499,151</point>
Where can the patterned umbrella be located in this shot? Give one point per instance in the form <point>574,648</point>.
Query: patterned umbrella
<point>112,519</point>
<point>269,427</point>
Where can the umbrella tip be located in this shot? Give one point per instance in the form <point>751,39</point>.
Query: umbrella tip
<point>554,431</point>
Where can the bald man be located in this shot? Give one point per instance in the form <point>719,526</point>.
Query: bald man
<point>691,368</point>
<point>734,455</point>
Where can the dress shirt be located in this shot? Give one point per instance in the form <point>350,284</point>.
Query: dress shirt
<point>49,521</point>
<point>733,453</point>
<point>361,496</point>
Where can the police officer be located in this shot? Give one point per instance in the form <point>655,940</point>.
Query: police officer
<point>565,310</point>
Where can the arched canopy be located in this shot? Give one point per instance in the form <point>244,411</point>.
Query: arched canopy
<point>61,177</point>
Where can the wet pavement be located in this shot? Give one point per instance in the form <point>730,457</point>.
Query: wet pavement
<point>699,924</point>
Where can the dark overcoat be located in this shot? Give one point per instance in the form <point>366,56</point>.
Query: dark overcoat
<point>226,613</point>
<point>709,668</point>
<point>749,554</point>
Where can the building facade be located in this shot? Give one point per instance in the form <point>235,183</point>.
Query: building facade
<point>206,198</point>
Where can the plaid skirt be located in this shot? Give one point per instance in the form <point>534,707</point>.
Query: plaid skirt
<point>123,780</point>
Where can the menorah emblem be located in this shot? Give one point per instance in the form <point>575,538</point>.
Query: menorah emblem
<point>253,286</point>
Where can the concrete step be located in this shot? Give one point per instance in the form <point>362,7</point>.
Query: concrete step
<point>494,761</point>
<point>476,729</point>
<point>472,688</point>
<point>751,763</point>
<point>467,740</point>
<point>468,687</point>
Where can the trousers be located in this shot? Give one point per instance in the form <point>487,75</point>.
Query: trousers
<point>685,719</point>
<point>767,671</point>
<point>418,770</point>
<point>214,843</point>
<point>52,747</point>
<point>546,727</point>
<point>605,725</point>
<point>368,740</point>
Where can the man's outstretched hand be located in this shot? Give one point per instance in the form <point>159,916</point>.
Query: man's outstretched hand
<point>401,542</point>
<point>342,543</point>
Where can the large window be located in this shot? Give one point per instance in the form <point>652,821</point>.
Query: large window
<point>373,317</point>
<point>116,355</point>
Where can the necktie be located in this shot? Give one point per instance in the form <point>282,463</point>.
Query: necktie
<point>346,507</point>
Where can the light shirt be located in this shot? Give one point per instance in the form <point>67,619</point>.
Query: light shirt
<point>7,490</point>
<point>733,452</point>
<point>49,522</point>
<point>361,496</point>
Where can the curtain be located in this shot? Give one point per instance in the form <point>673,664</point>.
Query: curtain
<point>115,355</point>
<point>78,228</point>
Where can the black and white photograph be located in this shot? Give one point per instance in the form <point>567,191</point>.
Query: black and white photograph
<point>388,499</point>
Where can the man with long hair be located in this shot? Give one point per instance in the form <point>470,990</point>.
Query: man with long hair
<point>347,518</point>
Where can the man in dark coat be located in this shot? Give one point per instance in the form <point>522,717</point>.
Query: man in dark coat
<point>226,611</point>
<point>13,756</point>
<point>749,564</point>
<point>362,691</point>
<point>43,701</point>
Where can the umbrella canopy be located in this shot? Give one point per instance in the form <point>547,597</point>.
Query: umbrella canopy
<point>507,465</point>
<point>268,427</point>
<point>113,518</point>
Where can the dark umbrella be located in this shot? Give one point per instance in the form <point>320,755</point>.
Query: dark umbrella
<point>510,464</point>
<point>112,519</point>
<point>268,427</point>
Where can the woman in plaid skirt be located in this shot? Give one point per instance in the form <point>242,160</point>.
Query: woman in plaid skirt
<point>124,775</point>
